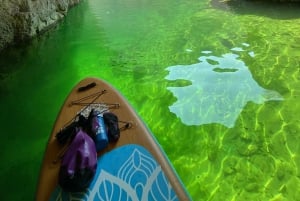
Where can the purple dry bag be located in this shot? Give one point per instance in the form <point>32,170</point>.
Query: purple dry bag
<point>79,163</point>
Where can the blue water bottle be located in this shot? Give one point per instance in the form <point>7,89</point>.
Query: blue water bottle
<point>101,139</point>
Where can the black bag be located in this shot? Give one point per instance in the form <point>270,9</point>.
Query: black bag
<point>111,121</point>
<point>70,130</point>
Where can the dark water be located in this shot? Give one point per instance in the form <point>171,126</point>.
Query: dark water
<point>218,84</point>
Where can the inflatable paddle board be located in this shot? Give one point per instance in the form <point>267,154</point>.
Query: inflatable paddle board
<point>134,168</point>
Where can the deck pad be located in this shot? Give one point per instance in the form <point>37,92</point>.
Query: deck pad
<point>128,172</point>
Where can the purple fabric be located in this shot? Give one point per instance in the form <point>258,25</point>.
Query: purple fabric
<point>79,163</point>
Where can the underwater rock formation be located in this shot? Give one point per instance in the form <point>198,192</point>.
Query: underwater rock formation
<point>277,9</point>
<point>23,19</point>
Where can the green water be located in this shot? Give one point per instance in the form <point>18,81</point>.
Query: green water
<point>218,85</point>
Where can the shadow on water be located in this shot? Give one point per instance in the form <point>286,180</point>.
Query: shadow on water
<point>275,10</point>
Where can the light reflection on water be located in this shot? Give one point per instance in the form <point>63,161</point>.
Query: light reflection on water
<point>221,87</point>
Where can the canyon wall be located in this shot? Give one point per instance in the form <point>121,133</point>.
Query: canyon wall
<point>23,19</point>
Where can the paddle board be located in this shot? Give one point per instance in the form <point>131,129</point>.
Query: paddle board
<point>133,168</point>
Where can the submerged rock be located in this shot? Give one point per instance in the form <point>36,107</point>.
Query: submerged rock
<point>276,9</point>
<point>24,19</point>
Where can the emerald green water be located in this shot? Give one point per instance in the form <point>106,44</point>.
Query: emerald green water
<point>218,85</point>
